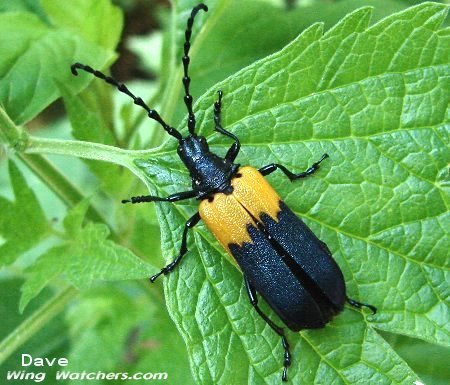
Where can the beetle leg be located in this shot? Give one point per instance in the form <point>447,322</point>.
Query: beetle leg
<point>359,305</point>
<point>191,222</point>
<point>254,301</point>
<point>171,198</point>
<point>266,170</point>
<point>233,151</point>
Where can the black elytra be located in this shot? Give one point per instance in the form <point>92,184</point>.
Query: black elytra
<point>280,257</point>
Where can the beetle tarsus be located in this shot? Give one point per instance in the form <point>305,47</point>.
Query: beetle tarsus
<point>287,357</point>
<point>360,305</point>
<point>153,277</point>
<point>167,269</point>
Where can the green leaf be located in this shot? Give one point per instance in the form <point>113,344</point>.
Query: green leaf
<point>434,370</point>
<point>99,315</point>
<point>158,347</point>
<point>34,58</point>
<point>99,22</point>
<point>85,120</point>
<point>95,258</point>
<point>22,222</point>
<point>376,100</point>
<point>73,221</point>
<point>47,268</point>
<point>139,329</point>
<point>23,6</point>
<point>86,257</point>
<point>88,125</point>
<point>50,338</point>
<point>242,42</point>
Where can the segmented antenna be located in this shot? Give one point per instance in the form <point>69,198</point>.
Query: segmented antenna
<point>152,114</point>
<point>186,79</point>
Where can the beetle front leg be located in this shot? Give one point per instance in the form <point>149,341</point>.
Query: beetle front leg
<point>171,198</point>
<point>266,170</point>
<point>191,222</point>
<point>252,295</point>
<point>233,151</point>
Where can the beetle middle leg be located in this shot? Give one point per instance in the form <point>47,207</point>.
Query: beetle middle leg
<point>251,291</point>
<point>191,222</point>
<point>266,170</point>
<point>171,198</point>
<point>233,151</point>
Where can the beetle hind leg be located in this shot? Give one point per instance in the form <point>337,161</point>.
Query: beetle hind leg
<point>254,301</point>
<point>360,305</point>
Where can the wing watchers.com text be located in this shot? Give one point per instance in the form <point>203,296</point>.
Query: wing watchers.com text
<point>36,366</point>
<point>23,375</point>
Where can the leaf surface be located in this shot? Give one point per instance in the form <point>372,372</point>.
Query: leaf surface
<point>31,47</point>
<point>22,222</point>
<point>375,98</point>
<point>86,257</point>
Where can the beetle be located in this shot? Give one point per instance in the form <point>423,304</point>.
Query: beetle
<point>280,257</point>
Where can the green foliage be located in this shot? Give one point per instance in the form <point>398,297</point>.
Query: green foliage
<point>25,209</point>
<point>39,53</point>
<point>375,97</point>
<point>50,341</point>
<point>86,257</point>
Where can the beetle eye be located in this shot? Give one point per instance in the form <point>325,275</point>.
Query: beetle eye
<point>197,182</point>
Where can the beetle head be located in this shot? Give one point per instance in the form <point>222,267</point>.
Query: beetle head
<point>191,149</point>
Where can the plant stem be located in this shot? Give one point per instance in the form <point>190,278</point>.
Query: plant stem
<point>58,183</point>
<point>19,140</point>
<point>79,149</point>
<point>34,323</point>
<point>16,138</point>
<point>11,134</point>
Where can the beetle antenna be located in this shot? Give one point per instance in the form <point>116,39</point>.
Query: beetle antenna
<point>152,114</point>
<point>186,79</point>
